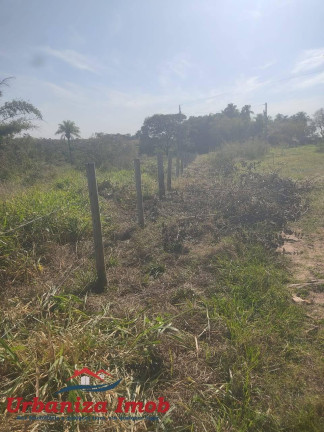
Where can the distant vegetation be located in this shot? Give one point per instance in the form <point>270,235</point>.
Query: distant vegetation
<point>207,133</point>
<point>32,158</point>
<point>173,133</point>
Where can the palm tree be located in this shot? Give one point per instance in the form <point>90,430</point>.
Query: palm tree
<point>68,129</point>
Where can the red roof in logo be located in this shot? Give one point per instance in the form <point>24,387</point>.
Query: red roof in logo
<point>103,372</point>
<point>87,372</point>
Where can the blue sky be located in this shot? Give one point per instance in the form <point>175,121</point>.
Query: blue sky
<point>108,64</point>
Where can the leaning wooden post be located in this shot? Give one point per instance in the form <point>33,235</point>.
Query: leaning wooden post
<point>169,172</point>
<point>138,181</point>
<point>161,175</point>
<point>96,224</point>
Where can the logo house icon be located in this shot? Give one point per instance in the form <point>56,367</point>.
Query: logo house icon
<point>85,376</point>
<point>85,379</point>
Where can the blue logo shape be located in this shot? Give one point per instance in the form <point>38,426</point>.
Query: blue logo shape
<point>90,388</point>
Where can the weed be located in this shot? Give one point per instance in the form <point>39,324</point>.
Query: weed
<point>155,270</point>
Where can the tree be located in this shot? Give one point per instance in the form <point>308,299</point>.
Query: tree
<point>201,134</point>
<point>161,131</point>
<point>280,117</point>
<point>258,126</point>
<point>246,112</point>
<point>16,116</point>
<point>318,121</point>
<point>294,130</point>
<point>68,129</point>
<point>231,111</point>
<point>303,129</point>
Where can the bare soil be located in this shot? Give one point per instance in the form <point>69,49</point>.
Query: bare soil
<point>306,254</point>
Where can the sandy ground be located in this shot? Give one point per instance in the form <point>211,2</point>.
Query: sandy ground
<point>307,257</point>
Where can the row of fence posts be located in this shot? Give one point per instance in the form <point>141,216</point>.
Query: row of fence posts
<point>181,162</point>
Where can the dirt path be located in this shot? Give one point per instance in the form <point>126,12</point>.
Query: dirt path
<point>306,252</point>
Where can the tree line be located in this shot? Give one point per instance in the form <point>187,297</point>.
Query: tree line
<point>174,132</point>
<point>170,132</point>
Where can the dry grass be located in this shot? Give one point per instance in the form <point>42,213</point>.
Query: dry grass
<point>196,311</point>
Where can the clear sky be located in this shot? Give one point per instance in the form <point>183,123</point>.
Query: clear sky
<point>108,64</point>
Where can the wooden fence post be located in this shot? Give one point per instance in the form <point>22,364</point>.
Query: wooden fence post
<point>138,182</point>
<point>169,172</point>
<point>161,175</point>
<point>181,164</point>
<point>96,223</point>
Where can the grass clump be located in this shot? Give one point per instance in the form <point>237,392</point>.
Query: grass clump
<point>37,216</point>
<point>263,342</point>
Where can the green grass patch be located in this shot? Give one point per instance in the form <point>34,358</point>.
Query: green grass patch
<point>58,213</point>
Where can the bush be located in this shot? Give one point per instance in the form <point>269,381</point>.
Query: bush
<point>224,160</point>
